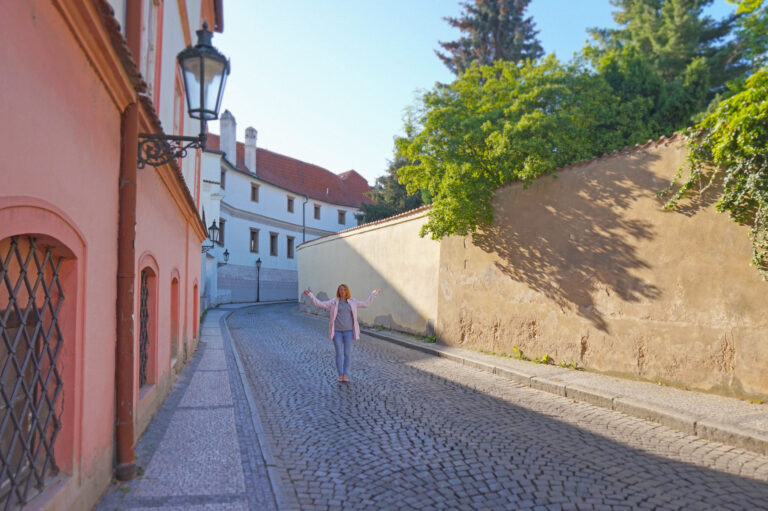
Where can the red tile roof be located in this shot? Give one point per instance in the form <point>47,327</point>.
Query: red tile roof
<point>346,189</point>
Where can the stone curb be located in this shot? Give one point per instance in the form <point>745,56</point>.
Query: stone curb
<point>281,500</point>
<point>755,441</point>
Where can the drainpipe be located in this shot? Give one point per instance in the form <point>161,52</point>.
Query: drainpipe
<point>126,273</point>
<point>304,219</point>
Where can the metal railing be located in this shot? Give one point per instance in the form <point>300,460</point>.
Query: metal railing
<point>31,386</point>
<point>143,328</point>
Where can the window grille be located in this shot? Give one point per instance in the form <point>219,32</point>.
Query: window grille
<point>143,328</point>
<point>31,298</point>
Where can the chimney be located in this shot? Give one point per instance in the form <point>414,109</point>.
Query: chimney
<point>250,149</point>
<point>228,127</point>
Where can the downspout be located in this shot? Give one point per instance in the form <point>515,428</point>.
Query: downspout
<point>304,219</point>
<point>126,273</point>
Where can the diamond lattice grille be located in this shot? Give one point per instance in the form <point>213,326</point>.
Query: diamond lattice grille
<point>31,298</point>
<point>143,329</point>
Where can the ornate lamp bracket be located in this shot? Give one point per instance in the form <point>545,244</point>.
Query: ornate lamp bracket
<point>157,150</point>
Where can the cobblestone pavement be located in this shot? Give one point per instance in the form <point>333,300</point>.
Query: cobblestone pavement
<point>412,431</point>
<point>200,451</point>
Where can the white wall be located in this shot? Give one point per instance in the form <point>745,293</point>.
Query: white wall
<point>389,255</point>
<point>273,203</point>
<point>278,278</point>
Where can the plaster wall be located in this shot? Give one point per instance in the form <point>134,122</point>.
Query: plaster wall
<point>587,267</point>
<point>273,202</point>
<point>390,256</point>
<point>61,154</point>
<point>236,281</point>
<point>164,238</point>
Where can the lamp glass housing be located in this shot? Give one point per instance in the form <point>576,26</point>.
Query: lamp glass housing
<point>213,232</point>
<point>204,71</point>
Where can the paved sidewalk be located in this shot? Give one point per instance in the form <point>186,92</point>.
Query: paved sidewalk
<point>727,420</point>
<point>202,449</point>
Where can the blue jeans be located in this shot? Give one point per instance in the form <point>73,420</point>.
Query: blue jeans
<point>342,341</point>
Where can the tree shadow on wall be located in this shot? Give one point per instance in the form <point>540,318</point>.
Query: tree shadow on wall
<point>704,194</point>
<point>572,238</point>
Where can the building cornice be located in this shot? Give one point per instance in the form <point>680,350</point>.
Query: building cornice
<point>280,224</point>
<point>104,48</point>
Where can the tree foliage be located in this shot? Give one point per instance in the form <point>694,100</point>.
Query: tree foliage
<point>492,30</point>
<point>732,141</point>
<point>687,57</point>
<point>753,30</point>
<point>503,123</point>
<point>389,196</point>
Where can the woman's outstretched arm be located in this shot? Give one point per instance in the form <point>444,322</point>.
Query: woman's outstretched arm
<point>318,303</point>
<point>366,303</point>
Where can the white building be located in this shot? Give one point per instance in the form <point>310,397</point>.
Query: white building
<point>265,205</point>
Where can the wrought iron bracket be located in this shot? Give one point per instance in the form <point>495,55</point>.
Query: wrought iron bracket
<point>157,150</point>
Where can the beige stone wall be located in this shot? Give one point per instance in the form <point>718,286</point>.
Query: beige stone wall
<point>587,267</point>
<point>388,255</point>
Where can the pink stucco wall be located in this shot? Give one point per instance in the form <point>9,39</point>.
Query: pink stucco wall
<point>164,239</point>
<point>60,141</point>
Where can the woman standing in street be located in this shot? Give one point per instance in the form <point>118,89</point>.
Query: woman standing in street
<point>343,327</point>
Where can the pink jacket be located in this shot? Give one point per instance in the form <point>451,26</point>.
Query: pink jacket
<point>333,304</point>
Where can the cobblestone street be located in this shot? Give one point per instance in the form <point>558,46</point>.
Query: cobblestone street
<point>413,431</point>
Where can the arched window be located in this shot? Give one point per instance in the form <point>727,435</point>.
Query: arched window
<point>195,311</point>
<point>37,291</point>
<point>174,317</point>
<point>147,327</point>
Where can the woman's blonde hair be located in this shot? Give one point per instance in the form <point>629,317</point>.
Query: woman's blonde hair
<point>347,292</point>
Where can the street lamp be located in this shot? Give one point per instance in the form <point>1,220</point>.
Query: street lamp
<point>213,237</point>
<point>226,256</point>
<point>204,71</point>
<point>258,277</point>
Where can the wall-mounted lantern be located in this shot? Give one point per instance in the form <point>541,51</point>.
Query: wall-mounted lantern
<point>204,71</point>
<point>226,256</point>
<point>213,237</point>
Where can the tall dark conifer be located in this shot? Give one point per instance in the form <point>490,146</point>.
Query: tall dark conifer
<point>492,30</point>
<point>390,197</point>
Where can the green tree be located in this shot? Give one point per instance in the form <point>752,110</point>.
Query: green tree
<point>753,30</point>
<point>492,30</point>
<point>389,196</point>
<point>503,123</point>
<point>689,58</point>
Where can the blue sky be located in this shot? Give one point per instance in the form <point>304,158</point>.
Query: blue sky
<point>327,81</point>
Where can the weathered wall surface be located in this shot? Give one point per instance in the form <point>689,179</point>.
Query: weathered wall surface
<point>587,267</point>
<point>388,255</point>
<point>237,283</point>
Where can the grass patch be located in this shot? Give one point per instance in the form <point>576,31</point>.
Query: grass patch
<point>543,359</point>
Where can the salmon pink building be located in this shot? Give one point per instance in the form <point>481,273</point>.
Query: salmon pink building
<point>99,260</point>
